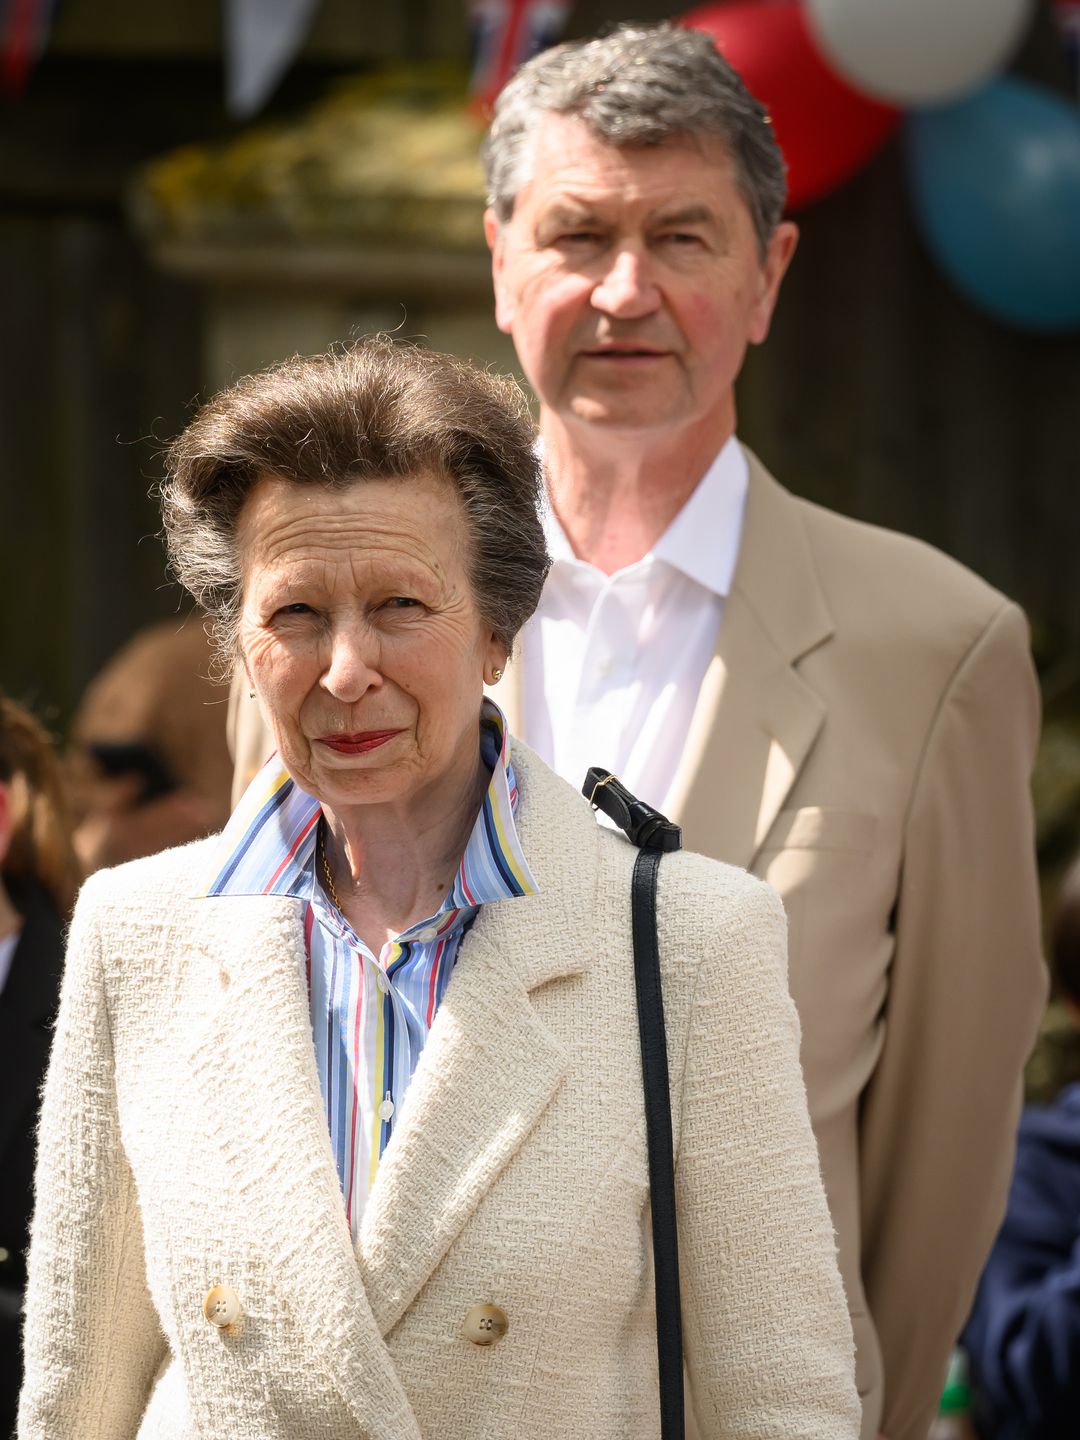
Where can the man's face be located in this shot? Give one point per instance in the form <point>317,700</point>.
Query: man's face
<point>631,280</point>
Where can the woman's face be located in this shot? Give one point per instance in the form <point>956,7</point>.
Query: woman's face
<point>361,636</point>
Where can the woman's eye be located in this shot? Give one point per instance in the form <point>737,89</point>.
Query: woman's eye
<point>297,608</point>
<point>401,602</point>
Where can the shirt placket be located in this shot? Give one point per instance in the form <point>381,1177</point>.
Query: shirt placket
<point>607,682</point>
<point>401,1046</point>
<point>394,954</point>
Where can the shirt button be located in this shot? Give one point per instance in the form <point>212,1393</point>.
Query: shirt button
<point>428,933</point>
<point>382,984</point>
<point>386,1108</point>
<point>221,1306</point>
<point>485,1324</point>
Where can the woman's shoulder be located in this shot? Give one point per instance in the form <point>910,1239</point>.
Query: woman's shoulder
<point>698,882</point>
<point>694,890</point>
<point>151,881</point>
<point>708,914</point>
<point>697,891</point>
<point>707,911</point>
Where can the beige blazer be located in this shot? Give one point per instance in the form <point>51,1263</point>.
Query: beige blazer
<point>863,740</point>
<point>184,1146</point>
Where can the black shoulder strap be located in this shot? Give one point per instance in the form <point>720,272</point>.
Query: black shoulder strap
<point>654,835</point>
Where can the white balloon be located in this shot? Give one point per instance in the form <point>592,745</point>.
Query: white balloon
<point>918,52</point>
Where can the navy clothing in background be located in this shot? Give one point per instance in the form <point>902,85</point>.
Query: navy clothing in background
<point>1023,1337</point>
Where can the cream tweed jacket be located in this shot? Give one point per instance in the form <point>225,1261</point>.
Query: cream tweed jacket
<point>183,1146</point>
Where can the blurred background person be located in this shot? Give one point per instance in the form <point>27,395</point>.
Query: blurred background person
<point>1023,1338</point>
<point>37,885</point>
<point>148,760</point>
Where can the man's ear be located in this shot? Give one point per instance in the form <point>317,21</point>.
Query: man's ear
<point>493,234</point>
<point>778,253</point>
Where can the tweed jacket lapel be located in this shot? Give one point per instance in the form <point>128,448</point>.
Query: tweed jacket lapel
<point>491,1065</point>
<point>489,1069</point>
<point>756,718</point>
<point>254,1065</point>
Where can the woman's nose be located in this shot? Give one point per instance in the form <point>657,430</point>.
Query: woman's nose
<point>352,667</point>
<point>626,290</point>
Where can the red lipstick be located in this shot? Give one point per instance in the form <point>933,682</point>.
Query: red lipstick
<point>358,744</point>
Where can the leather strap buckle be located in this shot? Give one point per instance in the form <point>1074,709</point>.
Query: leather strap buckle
<point>644,826</point>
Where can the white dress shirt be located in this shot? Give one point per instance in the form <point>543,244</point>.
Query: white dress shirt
<point>613,664</point>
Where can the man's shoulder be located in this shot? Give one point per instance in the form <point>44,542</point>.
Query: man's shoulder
<point>872,579</point>
<point>888,559</point>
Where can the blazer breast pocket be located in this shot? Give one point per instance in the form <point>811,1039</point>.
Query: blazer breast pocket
<point>821,827</point>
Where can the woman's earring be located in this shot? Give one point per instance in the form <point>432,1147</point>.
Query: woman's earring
<point>251,694</point>
<point>496,675</point>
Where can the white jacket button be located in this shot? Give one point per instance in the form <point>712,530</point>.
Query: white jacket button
<point>221,1306</point>
<point>485,1324</point>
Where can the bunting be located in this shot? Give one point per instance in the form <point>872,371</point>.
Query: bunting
<point>24,29</point>
<point>262,38</point>
<point>506,33</point>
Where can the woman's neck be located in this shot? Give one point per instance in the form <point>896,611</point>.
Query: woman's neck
<point>392,866</point>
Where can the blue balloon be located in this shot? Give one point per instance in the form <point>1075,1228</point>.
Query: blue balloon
<point>996,182</point>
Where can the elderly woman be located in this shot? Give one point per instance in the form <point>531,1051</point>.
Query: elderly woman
<point>343,1133</point>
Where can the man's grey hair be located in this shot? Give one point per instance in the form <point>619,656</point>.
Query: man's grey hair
<point>375,410</point>
<point>639,86</point>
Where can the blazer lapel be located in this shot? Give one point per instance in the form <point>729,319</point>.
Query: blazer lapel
<point>490,1066</point>
<point>756,718</point>
<point>254,1065</point>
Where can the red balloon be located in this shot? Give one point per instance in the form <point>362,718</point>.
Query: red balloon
<point>827,130</point>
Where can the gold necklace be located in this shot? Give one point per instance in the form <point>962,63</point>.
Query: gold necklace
<point>326,868</point>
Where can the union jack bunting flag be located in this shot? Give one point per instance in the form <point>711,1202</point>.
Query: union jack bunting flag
<point>506,33</point>
<point>24,29</point>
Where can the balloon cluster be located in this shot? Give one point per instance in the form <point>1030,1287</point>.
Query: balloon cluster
<point>994,161</point>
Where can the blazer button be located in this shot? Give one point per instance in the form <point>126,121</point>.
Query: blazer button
<point>221,1306</point>
<point>485,1324</point>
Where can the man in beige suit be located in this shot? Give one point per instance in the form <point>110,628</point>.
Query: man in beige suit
<point>842,710</point>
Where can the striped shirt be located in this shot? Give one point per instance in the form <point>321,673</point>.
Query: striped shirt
<point>370,1014</point>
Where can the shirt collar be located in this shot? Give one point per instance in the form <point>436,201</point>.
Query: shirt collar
<point>268,845</point>
<point>703,539</point>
